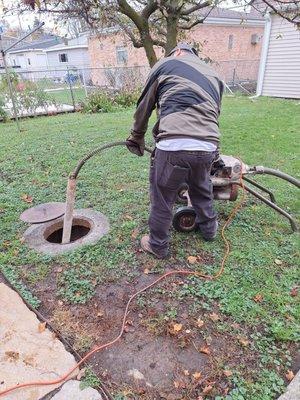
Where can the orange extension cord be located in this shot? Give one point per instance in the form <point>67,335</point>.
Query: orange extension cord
<point>164,276</point>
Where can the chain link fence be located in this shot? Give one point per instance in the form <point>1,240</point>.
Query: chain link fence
<point>51,91</point>
<point>238,74</point>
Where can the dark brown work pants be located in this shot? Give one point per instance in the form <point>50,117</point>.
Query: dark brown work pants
<point>168,170</point>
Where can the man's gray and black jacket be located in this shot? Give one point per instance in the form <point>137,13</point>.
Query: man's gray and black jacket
<point>187,94</point>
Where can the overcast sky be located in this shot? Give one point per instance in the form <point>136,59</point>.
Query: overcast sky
<point>26,19</point>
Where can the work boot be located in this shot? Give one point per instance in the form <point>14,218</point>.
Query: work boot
<point>145,245</point>
<point>211,237</point>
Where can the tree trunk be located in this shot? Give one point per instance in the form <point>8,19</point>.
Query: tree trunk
<point>148,46</point>
<point>172,32</point>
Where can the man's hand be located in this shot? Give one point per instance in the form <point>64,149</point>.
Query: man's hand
<point>135,145</point>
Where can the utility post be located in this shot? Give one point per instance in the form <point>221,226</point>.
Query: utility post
<point>10,88</point>
<point>11,92</point>
<point>4,52</point>
<point>71,88</point>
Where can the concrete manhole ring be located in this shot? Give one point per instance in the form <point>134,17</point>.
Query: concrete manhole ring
<point>88,227</point>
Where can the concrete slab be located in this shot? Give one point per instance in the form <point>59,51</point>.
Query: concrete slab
<point>293,390</point>
<point>72,391</point>
<point>27,352</point>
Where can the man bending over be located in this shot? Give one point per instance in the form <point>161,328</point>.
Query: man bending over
<point>187,94</point>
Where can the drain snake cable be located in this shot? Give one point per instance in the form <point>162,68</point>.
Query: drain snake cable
<point>136,294</point>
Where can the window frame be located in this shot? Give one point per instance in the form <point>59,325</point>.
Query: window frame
<point>120,52</point>
<point>230,41</point>
<point>60,57</point>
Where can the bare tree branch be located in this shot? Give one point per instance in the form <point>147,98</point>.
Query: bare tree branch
<point>196,7</point>
<point>149,9</point>
<point>187,27</point>
<point>281,14</point>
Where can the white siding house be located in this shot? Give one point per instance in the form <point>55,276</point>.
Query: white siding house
<point>68,56</point>
<point>71,57</point>
<point>279,74</point>
<point>28,59</point>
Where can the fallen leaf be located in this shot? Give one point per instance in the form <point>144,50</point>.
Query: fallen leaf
<point>128,217</point>
<point>134,233</point>
<point>214,317</point>
<point>192,259</point>
<point>126,392</point>
<point>176,384</point>
<point>199,323</point>
<point>295,291</point>
<point>289,317</point>
<point>179,385</point>
<point>244,341</point>
<point>197,375</point>
<point>81,374</point>
<point>146,271</point>
<point>188,331</point>
<point>208,340</point>
<point>278,262</point>
<point>290,375</point>
<point>177,327</point>
<point>25,197</point>
<point>41,327</point>
<point>207,389</point>
<point>258,298</point>
<point>186,372</point>
<point>227,372</point>
<point>205,350</point>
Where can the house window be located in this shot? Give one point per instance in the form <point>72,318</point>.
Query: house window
<point>230,42</point>
<point>63,57</point>
<point>122,55</point>
<point>28,61</point>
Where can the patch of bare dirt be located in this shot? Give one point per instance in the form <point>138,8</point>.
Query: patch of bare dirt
<point>159,356</point>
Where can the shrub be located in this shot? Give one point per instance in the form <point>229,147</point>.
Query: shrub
<point>104,101</point>
<point>99,102</point>
<point>27,94</point>
<point>3,112</point>
<point>127,99</point>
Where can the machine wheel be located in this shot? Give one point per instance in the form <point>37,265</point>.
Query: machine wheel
<point>181,198</point>
<point>184,219</point>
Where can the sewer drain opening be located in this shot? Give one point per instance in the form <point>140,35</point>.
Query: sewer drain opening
<point>80,229</point>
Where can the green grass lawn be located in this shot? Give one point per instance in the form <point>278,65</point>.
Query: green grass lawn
<point>64,96</point>
<point>256,298</point>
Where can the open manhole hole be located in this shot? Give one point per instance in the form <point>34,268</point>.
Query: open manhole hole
<point>80,228</point>
<point>87,228</point>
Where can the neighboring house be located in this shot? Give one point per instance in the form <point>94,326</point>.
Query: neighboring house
<point>5,42</point>
<point>31,56</point>
<point>73,56</point>
<point>279,73</point>
<point>231,39</point>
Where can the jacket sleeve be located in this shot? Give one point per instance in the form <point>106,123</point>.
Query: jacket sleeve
<point>145,106</point>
